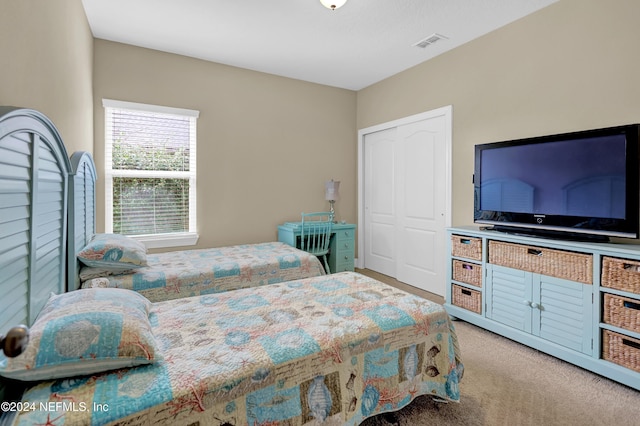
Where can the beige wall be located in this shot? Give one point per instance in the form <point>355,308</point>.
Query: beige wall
<point>266,144</point>
<point>46,51</point>
<point>571,66</point>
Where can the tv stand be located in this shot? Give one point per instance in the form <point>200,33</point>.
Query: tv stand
<point>549,233</point>
<point>569,299</point>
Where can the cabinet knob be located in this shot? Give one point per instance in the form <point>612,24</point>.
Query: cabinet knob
<point>535,305</point>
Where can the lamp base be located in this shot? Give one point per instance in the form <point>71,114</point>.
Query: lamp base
<point>332,210</point>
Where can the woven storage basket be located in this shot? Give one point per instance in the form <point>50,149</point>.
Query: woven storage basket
<point>555,263</point>
<point>470,273</point>
<point>467,247</point>
<point>620,349</point>
<point>466,298</point>
<point>622,312</point>
<point>621,274</point>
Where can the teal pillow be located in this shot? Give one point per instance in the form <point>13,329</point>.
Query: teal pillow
<point>113,252</point>
<point>85,332</point>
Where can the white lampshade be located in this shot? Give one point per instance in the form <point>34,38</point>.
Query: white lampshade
<point>333,4</point>
<point>331,190</point>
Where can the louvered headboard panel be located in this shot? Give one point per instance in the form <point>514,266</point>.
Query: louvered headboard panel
<point>82,210</point>
<point>34,172</point>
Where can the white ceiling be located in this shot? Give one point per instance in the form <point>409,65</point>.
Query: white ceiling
<point>361,43</point>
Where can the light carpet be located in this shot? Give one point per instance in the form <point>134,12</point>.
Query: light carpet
<point>506,383</point>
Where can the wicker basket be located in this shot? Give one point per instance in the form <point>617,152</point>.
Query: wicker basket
<point>622,312</point>
<point>467,247</point>
<point>466,298</point>
<point>621,274</point>
<point>620,349</point>
<point>555,263</point>
<point>470,273</point>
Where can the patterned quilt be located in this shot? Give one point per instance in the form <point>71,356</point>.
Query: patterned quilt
<point>329,350</point>
<point>187,273</point>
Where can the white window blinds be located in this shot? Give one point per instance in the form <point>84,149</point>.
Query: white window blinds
<point>150,169</point>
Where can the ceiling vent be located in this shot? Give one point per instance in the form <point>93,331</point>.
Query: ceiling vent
<point>433,38</point>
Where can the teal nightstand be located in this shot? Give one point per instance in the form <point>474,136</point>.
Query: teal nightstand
<point>341,247</point>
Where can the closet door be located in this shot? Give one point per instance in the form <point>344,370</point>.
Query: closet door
<point>380,201</point>
<point>420,204</point>
<point>405,198</point>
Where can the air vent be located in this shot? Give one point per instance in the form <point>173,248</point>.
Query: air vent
<point>433,38</point>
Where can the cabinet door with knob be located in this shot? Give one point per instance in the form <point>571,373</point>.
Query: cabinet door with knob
<point>554,309</point>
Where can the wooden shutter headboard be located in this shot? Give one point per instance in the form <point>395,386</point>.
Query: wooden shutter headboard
<point>82,211</point>
<point>34,173</point>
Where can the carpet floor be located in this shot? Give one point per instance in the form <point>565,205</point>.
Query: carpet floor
<point>506,383</point>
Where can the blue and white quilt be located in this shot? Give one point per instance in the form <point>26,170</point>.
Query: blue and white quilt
<point>329,350</point>
<point>188,273</point>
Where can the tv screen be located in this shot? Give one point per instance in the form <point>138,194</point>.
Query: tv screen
<point>581,183</point>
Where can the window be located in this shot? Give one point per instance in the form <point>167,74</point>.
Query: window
<point>150,173</point>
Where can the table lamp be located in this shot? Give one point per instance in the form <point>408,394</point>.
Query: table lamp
<point>331,193</point>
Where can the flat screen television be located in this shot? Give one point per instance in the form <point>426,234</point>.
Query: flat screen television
<point>580,185</point>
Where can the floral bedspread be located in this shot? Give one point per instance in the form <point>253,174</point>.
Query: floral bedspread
<point>329,350</point>
<point>187,273</point>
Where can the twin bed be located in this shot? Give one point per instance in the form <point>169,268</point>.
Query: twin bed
<point>261,347</point>
<point>170,275</point>
<point>179,274</point>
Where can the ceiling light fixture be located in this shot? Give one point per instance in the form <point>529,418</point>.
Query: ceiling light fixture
<point>333,4</point>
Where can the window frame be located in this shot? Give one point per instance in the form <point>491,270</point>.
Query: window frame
<point>173,239</point>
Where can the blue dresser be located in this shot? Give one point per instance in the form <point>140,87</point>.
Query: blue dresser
<point>577,301</point>
<point>341,248</point>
